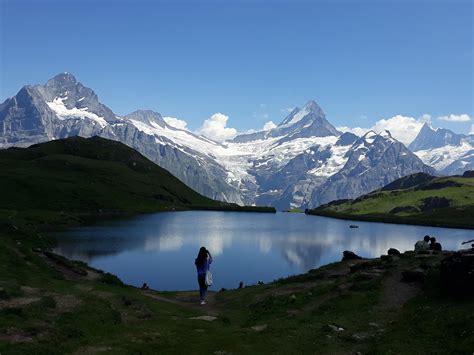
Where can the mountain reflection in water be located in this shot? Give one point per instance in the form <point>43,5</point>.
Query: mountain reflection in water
<point>160,248</point>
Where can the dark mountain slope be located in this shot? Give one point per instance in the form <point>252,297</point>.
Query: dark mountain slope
<point>92,175</point>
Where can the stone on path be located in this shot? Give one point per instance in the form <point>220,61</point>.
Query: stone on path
<point>259,328</point>
<point>335,328</point>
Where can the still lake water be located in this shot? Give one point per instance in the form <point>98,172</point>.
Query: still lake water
<point>160,248</point>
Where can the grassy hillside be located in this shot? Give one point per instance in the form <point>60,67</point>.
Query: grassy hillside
<point>92,176</point>
<point>415,199</point>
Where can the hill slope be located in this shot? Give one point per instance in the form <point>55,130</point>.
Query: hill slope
<point>91,176</point>
<point>414,199</point>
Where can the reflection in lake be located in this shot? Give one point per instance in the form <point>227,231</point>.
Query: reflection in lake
<point>160,248</point>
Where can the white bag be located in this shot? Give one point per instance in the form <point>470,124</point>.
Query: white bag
<point>208,279</point>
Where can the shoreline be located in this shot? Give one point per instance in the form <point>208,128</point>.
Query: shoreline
<point>385,219</point>
<point>127,216</point>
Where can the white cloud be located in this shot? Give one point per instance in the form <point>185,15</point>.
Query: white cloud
<point>215,128</point>
<point>455,118</point>
<point>176,122</point>
<point>472,129</point>
<point>402,128</point>
<point>269,125</point>
<point>426,118</point>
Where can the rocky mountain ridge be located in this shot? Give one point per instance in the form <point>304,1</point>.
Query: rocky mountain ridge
<point>303,162</point>
<point>448,152</point>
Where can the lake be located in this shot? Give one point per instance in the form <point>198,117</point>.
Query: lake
<point>160,248</point>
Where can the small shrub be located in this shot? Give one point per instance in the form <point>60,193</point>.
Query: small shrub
<point>224,319</point>
<point>4,295</point>
<point>110,279</point>
<point>47,302</point>
<point>13,311</point>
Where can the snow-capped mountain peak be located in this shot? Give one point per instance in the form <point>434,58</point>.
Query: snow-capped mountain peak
<point>311,107</point>
<point>59,107</point>
<point>302,162</point>
<point>290,116</point>
<point>63,79</point>
<point>288,119</point>
<point>148,117</point>
<point>429,138</point>
<point>309,121</point>
<point>448,152</point>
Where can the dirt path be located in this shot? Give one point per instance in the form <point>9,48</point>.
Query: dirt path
<point>191,301</point>
<point>70,273</point>
<point>188,300</point>
<point>396,293</point>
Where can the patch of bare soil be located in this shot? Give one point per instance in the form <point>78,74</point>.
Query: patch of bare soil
<point>92,275</point>
<point>65,303</point>
<point>206,318</point>
<point>188,300</point>
<point>29,290</point>
<point>90,350</point>
<point>396,293</point>
<point>343,268</point>
<point>85,288</point>
<point>104,294</point>
<point>18,302</point>
<point>14,335</point>
<point>30,296</point>
<point>71,273</point>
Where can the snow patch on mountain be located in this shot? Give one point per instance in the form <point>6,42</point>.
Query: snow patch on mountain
<point>238,158</point>
<point>369,137</point>
<point>297,117</point>
<point>441,157</point>
<point>63,113</point>
<point>334,163</point>
<point>304,161</point>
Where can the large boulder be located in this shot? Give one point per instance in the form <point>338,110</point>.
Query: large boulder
<point>349,255</point>
<point>393,251</point>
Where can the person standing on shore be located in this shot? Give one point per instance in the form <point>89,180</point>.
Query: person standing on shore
<point>202,262</point>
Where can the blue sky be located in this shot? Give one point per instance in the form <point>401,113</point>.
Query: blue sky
<point>360,60</point>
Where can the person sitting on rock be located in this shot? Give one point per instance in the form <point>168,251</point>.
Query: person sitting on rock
<point>423,245</point>
<point>434,244</point>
